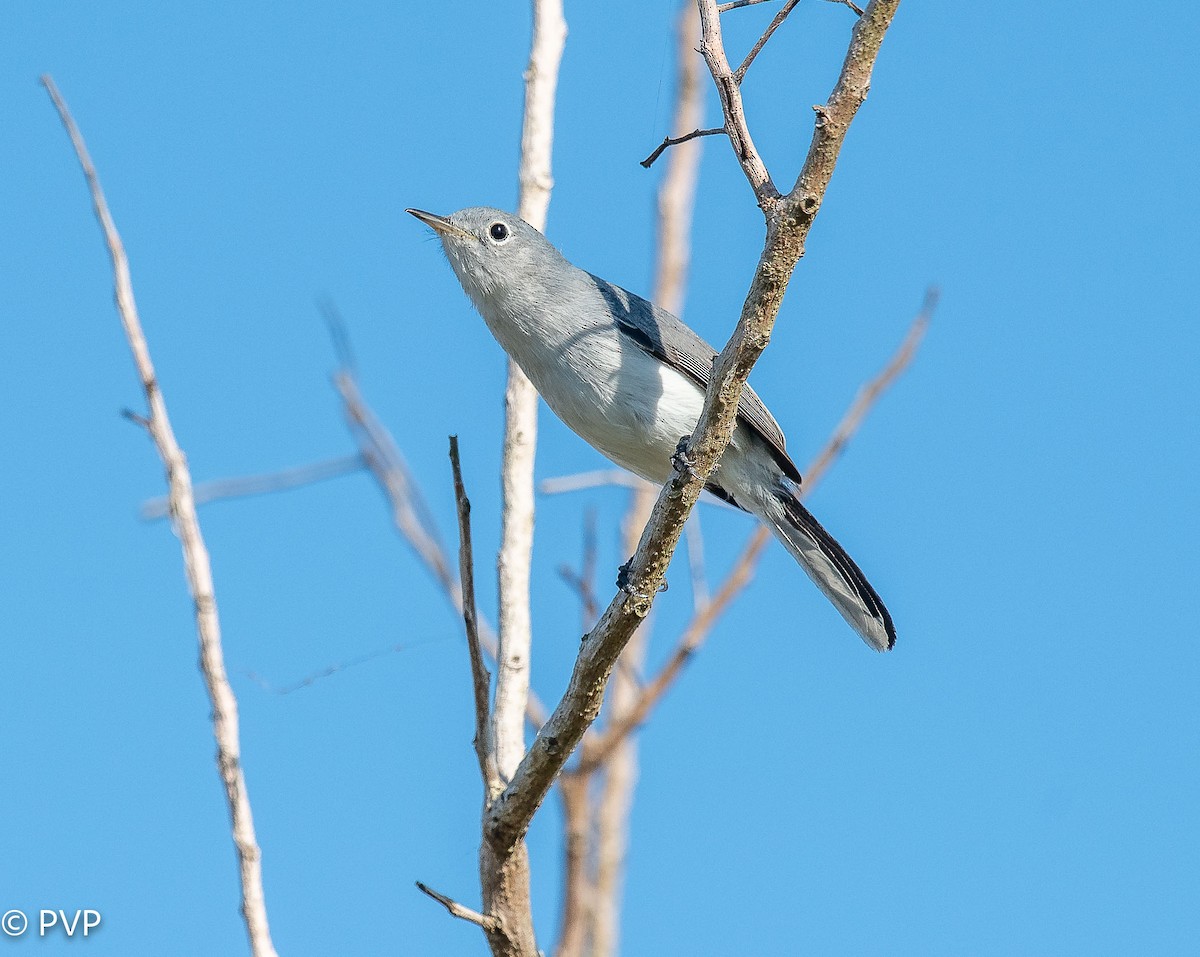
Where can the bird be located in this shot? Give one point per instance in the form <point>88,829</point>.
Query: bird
<point>629,379</point>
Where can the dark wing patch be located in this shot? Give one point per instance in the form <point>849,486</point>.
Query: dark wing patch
<point>665,337</point>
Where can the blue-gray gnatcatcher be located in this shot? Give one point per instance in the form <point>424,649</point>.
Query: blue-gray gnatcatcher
<point>629,378</point>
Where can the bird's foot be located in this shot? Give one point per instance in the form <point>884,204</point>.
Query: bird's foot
<point>681,461</point>
<point>626,585</point>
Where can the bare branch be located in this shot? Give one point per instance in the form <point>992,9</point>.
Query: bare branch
<point>458,910</point>
<point>740,73</point>
<point>724,7</point>
<point>849,3</point>
<point>669,141</point>
<point>504,872</point>
<point>520,402</point>
<point>585,480</point>
<point>583,583</point>
<point>480,679</point>
<point>577,889</point>
<point>195,555</point>
<point>248,485</point>
<point>712,46</point>
<point>869,394</point>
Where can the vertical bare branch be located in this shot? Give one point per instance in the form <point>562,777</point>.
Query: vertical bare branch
<point>195,556</point>
<point>520,400</point>
<point>613,805</point>
<point>505,871</point>
<point>480,679</point>
<point>577,890</point>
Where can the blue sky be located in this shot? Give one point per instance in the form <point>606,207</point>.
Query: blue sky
<point>1019,776</point>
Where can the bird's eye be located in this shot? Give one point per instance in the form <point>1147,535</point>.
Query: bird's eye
<point>498,232</point>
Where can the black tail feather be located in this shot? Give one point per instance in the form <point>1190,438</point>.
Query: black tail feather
<point>804,520</point>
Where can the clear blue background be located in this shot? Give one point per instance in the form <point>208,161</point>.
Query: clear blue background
<point>1018,777</point>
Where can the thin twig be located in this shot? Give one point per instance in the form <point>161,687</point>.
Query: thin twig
<point>669,141</point>
<point>724,7</point>
<point>327,672</point>
<point>583,582</point>
<point>458,910</point>
<point>480,679</point>
<point>740,73</point>
<point>270,482</point>
<point>578,890</point>
<point>585,480</point>
<point>849,3</point>
<point>869,394</point>
<point>196,559</point>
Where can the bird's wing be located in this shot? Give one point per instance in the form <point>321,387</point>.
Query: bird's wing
<point>666,338</point>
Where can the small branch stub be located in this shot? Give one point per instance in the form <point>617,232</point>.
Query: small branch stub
<point>458,910</point>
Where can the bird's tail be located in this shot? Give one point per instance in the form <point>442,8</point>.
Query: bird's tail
<point>828,565</point>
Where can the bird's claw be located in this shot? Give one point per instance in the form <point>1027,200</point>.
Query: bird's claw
<point>681,461</point>
<point>626,585</point>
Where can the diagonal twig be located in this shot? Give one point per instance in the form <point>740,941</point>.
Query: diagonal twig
<point>851,4</point>
<point>409,513</point>
<point>480,679</point>
<point>734,4</point>
<point>740,73</point>
<point>458,910</point>
<point>195,555</point>
<point>270,482</point>
<point>869,394</point>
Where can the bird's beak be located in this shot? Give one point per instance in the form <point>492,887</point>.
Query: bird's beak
<point>439,224</point>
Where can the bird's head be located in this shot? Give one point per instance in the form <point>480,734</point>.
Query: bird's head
<point>492,252</point>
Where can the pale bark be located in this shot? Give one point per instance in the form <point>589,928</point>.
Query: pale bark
<point>182,508</point>
<point>504,871</point>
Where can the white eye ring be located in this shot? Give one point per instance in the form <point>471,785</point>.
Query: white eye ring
<point>498,232</point>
